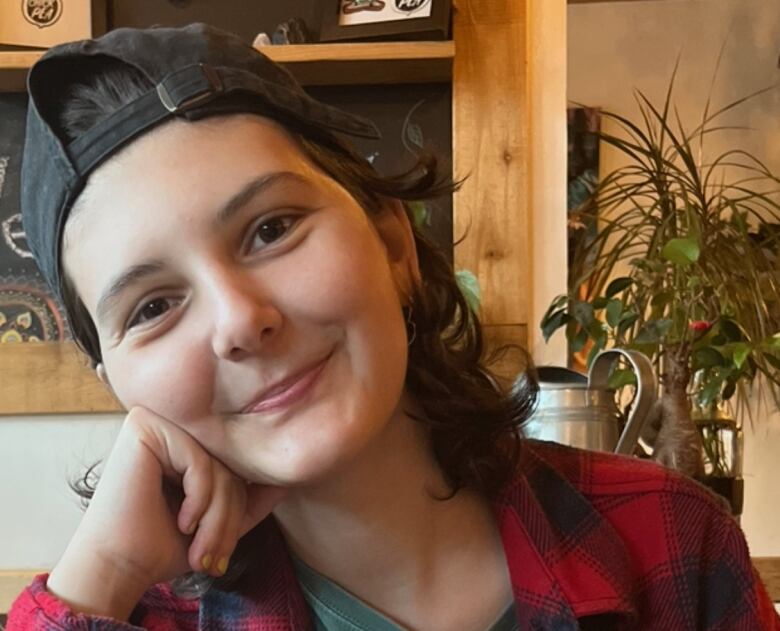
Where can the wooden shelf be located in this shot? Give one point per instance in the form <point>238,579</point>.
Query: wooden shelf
<point>314,64</point>
<point>49,378</point>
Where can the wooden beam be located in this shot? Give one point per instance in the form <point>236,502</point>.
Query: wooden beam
<point>49,378</point>
<point>490,146</point>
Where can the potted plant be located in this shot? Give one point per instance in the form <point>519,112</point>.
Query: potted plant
<point>683,267</point>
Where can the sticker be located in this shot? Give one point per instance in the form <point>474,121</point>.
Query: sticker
<point>42,13</point>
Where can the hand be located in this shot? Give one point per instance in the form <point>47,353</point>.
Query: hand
<point>133,534</point>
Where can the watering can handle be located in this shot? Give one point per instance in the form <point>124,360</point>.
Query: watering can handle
<point>643,399</point>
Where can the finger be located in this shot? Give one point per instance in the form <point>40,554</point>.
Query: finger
<point>207,547</point>
<point>230,537</point>
<point>182,458</point>
<point>197,483</point>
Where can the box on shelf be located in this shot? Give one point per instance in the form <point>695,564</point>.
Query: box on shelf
<point>45,23</point>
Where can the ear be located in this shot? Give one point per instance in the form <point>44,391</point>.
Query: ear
<point>395,231</point>
<point>100,370</point>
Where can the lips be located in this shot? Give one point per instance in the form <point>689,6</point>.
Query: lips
<point>287,390</point>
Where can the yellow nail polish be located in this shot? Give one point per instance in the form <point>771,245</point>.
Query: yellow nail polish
<point>206,561</point>
<point>222,566</point>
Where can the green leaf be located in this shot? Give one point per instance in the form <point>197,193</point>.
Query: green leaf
<point>661,299</point>
<point>772,342</point>
<point>621,377</point>
<point>468,284</point>
<point>681,251</point>
<point>614,311</point>
<point>597,348</point>
<point>583,313</point>
<point>653,332</point>
<point>731,330</point>
<point>710,391</point>
<point>600,303</point>
<point>627,321</point>
<point>578,341</point>
<point>559,301</point>
<point>741,353</point>
<point>618,285</point>
<point>772,361</point>
<point>694,282</point>
<point>553,323</point>
<point>707,357</point>
<point>729,390</point>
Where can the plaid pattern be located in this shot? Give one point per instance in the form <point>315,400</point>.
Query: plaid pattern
<point>593,542</point>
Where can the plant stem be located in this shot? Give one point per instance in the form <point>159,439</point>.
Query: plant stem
<point>678,445</point>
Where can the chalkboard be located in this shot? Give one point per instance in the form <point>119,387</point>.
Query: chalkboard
<point>27,312</point>
<point>410,117</point>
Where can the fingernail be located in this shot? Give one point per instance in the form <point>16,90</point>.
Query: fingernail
<point>206,561</point>
<point>222,566</point>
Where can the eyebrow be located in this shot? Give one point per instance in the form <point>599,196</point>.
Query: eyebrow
<point>254,188</point>
<point>136,273</point>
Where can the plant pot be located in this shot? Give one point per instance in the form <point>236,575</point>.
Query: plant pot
<point>722,455</point>
<point>732,490</point>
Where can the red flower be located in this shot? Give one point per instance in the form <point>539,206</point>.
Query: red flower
<point>700,326</point>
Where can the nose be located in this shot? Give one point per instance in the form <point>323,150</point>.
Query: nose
<point>245,319</point>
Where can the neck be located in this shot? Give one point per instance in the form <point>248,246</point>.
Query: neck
<point>380,511</point>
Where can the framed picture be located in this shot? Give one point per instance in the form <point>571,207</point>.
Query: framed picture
<point>385,20</point>
<point>46,23</point>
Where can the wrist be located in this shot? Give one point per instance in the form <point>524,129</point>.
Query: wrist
<point>92,586</point>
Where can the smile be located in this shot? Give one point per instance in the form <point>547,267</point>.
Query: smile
<point>291,391</point>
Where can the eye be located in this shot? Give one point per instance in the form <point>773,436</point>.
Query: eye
<point>270,230</point>
<point>151,310</point>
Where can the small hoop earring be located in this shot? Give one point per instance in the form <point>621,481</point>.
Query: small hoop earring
<point>411,327</point>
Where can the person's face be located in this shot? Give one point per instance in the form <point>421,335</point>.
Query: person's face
<point>216,261</point>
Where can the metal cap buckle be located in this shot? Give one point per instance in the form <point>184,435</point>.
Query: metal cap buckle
<point>206,83</point>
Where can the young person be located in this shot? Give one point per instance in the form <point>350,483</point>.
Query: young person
<point>313,440</point>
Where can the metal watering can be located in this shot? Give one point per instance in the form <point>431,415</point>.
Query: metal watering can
<point>581,411</point>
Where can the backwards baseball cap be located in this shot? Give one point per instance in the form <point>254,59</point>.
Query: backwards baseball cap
<point>197,71</point>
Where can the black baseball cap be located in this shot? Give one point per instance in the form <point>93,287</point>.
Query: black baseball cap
<point>197,71</point>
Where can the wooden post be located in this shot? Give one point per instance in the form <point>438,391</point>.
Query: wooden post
<point>509,137</point>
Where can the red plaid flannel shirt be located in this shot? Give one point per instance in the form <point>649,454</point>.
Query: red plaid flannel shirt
<point>593,541</point>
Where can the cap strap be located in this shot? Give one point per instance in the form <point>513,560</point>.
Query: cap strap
<point>192,87</point>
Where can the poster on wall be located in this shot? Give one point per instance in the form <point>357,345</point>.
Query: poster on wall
<point>28,312</point>
<point>385,19</point>
<point>372,11</point>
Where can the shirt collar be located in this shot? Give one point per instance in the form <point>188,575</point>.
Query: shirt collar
<point>565,560</point>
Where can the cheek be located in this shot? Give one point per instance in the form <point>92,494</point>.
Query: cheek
<point>176,385</point>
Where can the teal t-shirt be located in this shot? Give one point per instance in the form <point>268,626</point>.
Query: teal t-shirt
<point>335,609</point>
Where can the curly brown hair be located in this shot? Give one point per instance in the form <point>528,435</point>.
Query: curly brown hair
<point>473,422</point>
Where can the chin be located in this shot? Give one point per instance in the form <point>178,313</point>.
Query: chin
<point>310,459</point>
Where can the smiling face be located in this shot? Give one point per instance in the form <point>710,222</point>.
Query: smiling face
<point>244,295</point>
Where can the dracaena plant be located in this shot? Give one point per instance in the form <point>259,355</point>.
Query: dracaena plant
<point>695,256</point>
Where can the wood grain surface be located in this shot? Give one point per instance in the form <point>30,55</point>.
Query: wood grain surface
<point>490,146</point>
<point>49,378</point>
